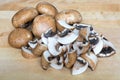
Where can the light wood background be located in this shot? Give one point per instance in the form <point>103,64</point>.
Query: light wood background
<point>104,15</point>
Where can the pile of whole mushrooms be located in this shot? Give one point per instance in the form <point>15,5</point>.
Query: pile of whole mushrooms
<point>59,38</point>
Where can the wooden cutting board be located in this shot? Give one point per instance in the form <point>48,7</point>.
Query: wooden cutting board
<point>103,15</point>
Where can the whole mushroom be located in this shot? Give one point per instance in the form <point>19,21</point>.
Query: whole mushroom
<point>19,37</point>
<point>24,17</point>
<point>43,23</point>
<point>46,8</point>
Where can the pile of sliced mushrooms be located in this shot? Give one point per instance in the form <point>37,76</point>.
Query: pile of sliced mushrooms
<point>59,38</point>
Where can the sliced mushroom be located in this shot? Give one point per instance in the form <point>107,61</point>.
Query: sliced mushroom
<point>54,47</point>
<point>67,16</point>
<point>44,60</point>
<point>108,48</point>
<point>27,53</point>
<point>91,59</point>
<point>70,59</point>
<point>64,32</point>
<point>39,49</point>
<point>44,39</point>
<point>80,66</point>
<point>98,46</point>
<point>46,8</point>
<point>65,25</point>
<point>71,37</point>
<point>33,43</point>
<point>24,17</point>
<point>81,47</point>
<point>57,62</point>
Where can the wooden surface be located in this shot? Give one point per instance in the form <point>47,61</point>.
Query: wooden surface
<point>104,15</point>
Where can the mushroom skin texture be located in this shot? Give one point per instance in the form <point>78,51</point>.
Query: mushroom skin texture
<point>91,58</point>
<point>69,16</point>
<point>42,23</point>
<point>39,49</point>
<point>24,16</point>
<point>72,56</point>
<point>19,37</point>
<point>44,60</point>
<point>27,53</point>
<point>46,8</point>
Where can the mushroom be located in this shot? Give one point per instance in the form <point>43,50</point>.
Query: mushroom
<point>91,58</point>
<point>45,60</point>
<point>108,48</point>
<point>69,38</point>
<point>97,44</point>
<point>39,49</point>
<point>81,47</point>
<point>33,43</point>
<point>84,30</point>
<point>46,8</point>
<point>54,47</point>
<point>43,23</point>
<point>19,37</point>
<point>57,62</point>
<point>27,53</point>
<point>69,16</point>
<point>70,59</point>
<point>80,66</point>
<point>24,17</point>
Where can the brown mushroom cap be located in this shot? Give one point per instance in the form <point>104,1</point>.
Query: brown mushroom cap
<point>19,37</point>
<point>46,8</point>
<point>42,23</point>
<point>24,16</point>
<point>70,16</point>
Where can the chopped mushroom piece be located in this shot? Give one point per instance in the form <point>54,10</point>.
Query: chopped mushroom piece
<point>108,48</point>
<point>57,62</point>
<point>71,37</point>
<point>54,47</point>
<point>33,43</point>
<point>98,47</point>
<point>80,66</point>
<point>44,60</point>
<point>27,53</point>
<point>91,58</point>
<point>70,59</point>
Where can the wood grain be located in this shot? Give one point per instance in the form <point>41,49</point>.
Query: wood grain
<point>104,15</point>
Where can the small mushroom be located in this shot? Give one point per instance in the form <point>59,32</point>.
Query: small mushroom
<point>19,37</point>
<point>39,49</point>
<point>27,53</point>
<point>69,38</point>
<point>91,59</point>
<point>67,16</point>
<point>43,23</point>
<point>44,60</point>
<point>108,48</point>
<point>80,66</point>
<point>24,17</point>
<point>46,8</point>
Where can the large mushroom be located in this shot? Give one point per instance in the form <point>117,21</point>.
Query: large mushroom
<point>46,8</point>
<point>43,23</point>
<point>67,16</point>
<point>24,17</point>
<point>19,37</point>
